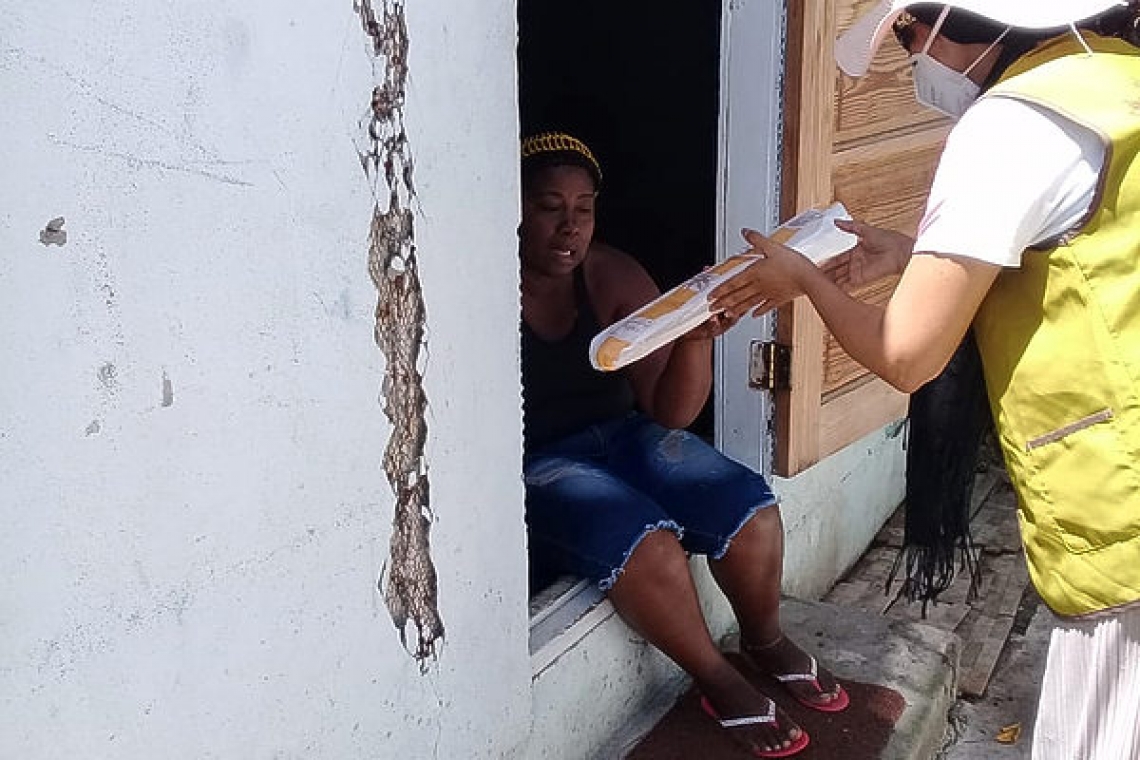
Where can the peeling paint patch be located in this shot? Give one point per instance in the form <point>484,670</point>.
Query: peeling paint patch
<point>408,579</point>
<point>106,374</point>
<point>167,390</point>
<point>54,233</point>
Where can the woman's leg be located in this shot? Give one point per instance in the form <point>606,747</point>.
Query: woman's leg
<point>589,514</point>
<point>655,595</point>
<point>750,574</point>
<point>728,512</point>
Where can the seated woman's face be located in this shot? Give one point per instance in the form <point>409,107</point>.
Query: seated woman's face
<point>557,219</point>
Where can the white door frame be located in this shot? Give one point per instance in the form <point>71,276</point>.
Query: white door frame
<point>748,168</point>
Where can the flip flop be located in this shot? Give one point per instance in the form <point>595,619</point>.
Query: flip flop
<point>839,704</point>
<point>753,720</point>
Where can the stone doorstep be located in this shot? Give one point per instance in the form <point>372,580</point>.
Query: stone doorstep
<point>982,624</point>
<point>917,660</point>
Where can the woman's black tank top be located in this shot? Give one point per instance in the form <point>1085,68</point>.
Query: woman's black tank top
<point>562,392</point>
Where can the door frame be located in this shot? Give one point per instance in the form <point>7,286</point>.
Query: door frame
<point>748,195</point>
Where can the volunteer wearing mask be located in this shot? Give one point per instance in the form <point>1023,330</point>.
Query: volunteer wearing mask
<point>1031,235</point>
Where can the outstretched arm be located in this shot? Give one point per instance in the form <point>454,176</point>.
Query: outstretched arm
<point>907,342</point>
<point>878,253</point>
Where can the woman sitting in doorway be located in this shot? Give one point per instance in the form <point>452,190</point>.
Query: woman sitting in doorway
<point>617,491</point>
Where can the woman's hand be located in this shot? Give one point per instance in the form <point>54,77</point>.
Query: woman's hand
<point>771,281</point>
<point>880,252</point>
<point>713,327</point>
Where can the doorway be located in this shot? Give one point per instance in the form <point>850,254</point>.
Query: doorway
<point>681,105</point>
<point>639,83</point>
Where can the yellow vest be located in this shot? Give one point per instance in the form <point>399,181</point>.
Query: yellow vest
<point>1060,342</point>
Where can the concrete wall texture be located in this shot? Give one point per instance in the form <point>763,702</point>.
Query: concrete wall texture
<point>191,424</point>
<point>833,510</point>
<point>192,418</point>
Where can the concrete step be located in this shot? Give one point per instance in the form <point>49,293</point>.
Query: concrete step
<point>901,675</point>
<point>918,661</point>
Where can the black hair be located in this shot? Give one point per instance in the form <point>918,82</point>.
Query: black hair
<point>1121,21</point>
<point>968,28</point>
<point>960,26</point>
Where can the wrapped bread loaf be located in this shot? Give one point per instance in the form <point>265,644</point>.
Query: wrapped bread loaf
<point>676,312</point>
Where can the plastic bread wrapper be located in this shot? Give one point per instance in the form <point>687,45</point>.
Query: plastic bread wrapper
<point>813,233</point>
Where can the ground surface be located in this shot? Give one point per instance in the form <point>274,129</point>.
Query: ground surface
<point>1004,632</point>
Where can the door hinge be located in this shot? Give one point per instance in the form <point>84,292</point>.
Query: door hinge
<point>770,366</point>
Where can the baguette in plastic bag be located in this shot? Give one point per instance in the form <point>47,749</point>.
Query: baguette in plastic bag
<point>813,233</point>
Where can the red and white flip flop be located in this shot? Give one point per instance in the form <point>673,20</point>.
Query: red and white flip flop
<point>838,704</point>
<point>769,718</point>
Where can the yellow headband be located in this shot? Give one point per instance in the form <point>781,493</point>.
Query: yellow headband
<point>559,142</point>
<point>903,21</point>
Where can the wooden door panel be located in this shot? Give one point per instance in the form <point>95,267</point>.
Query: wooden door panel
<point>886,182</point>
<point>868,144</point>
<point>880,102</point>
<point>839,369</point>
<point>860,410</point>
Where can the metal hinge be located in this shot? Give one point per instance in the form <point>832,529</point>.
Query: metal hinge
<point>770,366</point>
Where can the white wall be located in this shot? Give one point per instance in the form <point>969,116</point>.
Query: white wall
<point>833,509</point>
<point>190,426</point>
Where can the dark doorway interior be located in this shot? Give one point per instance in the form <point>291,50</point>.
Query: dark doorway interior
<point>639,83</point>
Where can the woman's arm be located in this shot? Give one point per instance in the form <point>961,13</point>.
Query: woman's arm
<point>907,342</point>
<point>878,253</point>
<point>683,375</point>
<point>1009,175</point>
<point>671,384</point>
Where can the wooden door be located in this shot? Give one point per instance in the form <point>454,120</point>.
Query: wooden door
<point>867,143</point>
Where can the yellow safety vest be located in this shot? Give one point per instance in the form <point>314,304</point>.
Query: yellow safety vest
<point>1060,342</point>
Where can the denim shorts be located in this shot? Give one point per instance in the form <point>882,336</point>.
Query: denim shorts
<point>593,496</point>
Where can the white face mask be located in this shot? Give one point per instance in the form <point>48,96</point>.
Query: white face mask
<point>940,87</point>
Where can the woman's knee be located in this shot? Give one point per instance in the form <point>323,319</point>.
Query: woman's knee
<point>762,533</point>
<point>658,552</point>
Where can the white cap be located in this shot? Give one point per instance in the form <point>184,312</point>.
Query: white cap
<point>855,47</point>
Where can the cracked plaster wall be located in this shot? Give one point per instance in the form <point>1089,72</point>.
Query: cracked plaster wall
<point>191,428</point>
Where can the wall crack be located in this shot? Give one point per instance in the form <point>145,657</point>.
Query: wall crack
<point>408,579</point>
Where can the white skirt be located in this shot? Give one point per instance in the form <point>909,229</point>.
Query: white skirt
<point>1090,696</point>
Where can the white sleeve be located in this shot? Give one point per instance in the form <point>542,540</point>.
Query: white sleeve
<point>1011,175</point>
